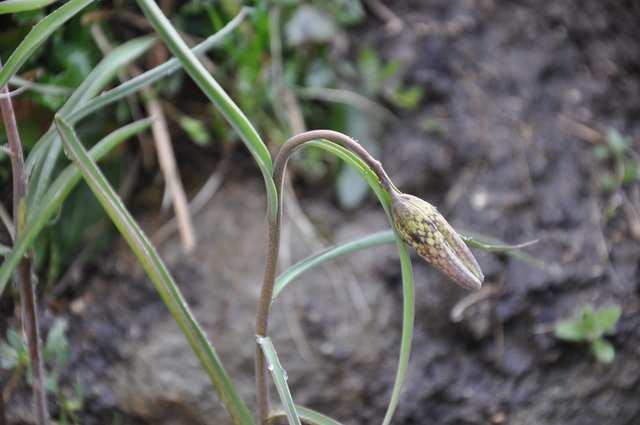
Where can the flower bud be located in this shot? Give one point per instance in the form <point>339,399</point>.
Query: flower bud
<point>422,227</point>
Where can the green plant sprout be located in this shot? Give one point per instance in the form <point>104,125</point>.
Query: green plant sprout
<point>591,326</point>
<point>14,357</point>
<point>617,153</point>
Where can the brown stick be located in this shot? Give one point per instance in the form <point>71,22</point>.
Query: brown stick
<point>273,239</point>
<point>27,292</point>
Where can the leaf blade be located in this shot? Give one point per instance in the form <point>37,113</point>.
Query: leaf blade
<point>279,378</point>
<point>365,242</point>
<point>158,274</point>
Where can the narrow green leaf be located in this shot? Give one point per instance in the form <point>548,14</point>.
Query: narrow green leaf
<point>279,378</point>
<point>569,330</point>
<point>496,245</point>
<point>307,416</point>
<point>151,76</point>
<point>603,350</point>
<point>15,6</point>
<point>157,272</point>
<point>493,247</point>
<point>49,89</point>
<point>38,35</point>
<point>607,317</point>
<point>375,239</point>
<point>57,193</point>
<point>216,94</point>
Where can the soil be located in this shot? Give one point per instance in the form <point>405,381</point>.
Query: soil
<point>517,93</point>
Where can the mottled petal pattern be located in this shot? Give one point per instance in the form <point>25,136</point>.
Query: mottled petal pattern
<point>422,227</point>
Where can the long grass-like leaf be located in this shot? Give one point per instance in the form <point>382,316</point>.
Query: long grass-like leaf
<point>380,238</point>
<point>99,77</point>
<point>38,35</point>
<point>15,6</point>
<point>280,379</point>
<point>158,274</point>
<point>216,94</point>
<point>56,195</point>
<point>151,76</point>
<point>408,291</point>
<point>307,416</point>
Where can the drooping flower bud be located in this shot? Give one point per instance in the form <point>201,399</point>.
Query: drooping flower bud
<point>422,227</point>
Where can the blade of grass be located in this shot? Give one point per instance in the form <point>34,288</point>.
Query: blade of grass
<point>38,35</point>
<point>57,193</point>
<point>408,291</point>
<point>368,241</point>
<point>307,416</point>
<point>279,378</point>
<point>49,89</point>
<point>99,77</point>
<point>157,272</point>
<point>216,94</point>
<point>15,6</point>
<point>315,418</point>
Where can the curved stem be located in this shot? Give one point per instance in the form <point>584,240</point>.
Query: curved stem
<point>273,237</point>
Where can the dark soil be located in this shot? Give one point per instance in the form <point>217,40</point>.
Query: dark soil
<point>499,144</point>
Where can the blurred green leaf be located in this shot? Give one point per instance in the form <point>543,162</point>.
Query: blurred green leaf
<point>196,130</point>
<point>407,98</point>
<point>370,71</point>
<point>57,343</point>
<point>603,350</point>
<point>630,174</point>
<point>601,152</point>
<point>606,318</point>
<point>569,330</point>
<point>618,143</point>
<point>588,324</point>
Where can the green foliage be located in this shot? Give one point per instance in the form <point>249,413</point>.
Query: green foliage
<point>590,326</point>
<point>14,357</point>
<point>618,162</point>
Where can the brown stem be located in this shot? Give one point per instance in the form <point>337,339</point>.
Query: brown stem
<point>273,238</point>
<point>27,293</point>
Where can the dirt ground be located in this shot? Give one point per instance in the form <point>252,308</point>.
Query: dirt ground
<point>516,95</point>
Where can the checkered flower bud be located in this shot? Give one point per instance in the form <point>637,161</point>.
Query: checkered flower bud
<point>422,227</point>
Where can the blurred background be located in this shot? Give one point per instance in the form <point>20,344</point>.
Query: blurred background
<point>519,119</point>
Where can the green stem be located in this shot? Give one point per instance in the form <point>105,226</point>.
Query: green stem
<point>273,238</point>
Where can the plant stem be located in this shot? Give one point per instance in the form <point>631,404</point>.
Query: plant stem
<point>27,292</point>
<point>273,238</point>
